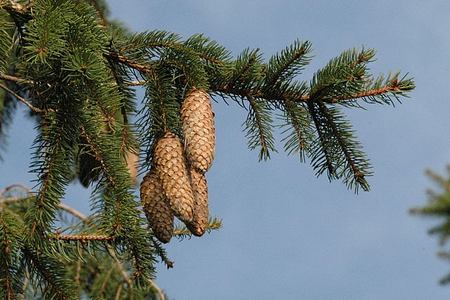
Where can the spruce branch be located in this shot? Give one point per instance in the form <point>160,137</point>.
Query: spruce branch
<point>321,157</point>
<point>98,155</point>
<point>297,129</point>
<point>286,65</point>
<point>51,273</point>
<point>259,128</point>
<point>336,149</point>
<point>161,252</point>
<point>348,148</point>
<point>183,232</point>
<point>52,162</point>
<point>395,87</point>
<point>229,88</point>
<point>382,91</point>
<point>120,215</point>
<point>10,243</point>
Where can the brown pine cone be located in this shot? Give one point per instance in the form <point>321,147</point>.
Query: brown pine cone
<point>200,187</point>
<point>172,171</point>
<point>158,213</point>
<point>198,127</point>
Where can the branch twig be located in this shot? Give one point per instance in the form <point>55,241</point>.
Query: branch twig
<point>73,212</point>
<point>15,79</point>
<point>81,237</point>
<point>24,101</point>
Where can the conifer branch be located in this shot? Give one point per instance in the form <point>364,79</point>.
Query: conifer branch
<point>287,64</point>
<point>6,281</point>
<point>183,232</point>
<point>61,205</point>
<point>358,175</point>
<point>51,272</point>
<point>369,93</point>
<point>161,252</point>
<point>259,128</point>
<point>322,143</point>
<point>53,158</point>
<point>297,124</point>
<point>98,155</point>
<point>230,89</point>
<point>26,283</point>
<point>304,99</point>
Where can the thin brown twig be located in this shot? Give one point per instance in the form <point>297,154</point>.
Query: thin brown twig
<point>81,237</point>
<point>118,292</point>
<point>16,185</point>
<point>105,281</point>
<point>119,266</point>
<point>24,101</point>
<point>157,289</point>
<point>143,68</point>
<point>369,93</point>
<point>136,83</point>
<point>126,277</point>
<point>15,79</point>
<point>73,212</point>
<point>78,273</point>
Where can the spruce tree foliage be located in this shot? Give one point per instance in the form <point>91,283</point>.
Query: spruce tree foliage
<point>76,70</point>
<point>438,207</point>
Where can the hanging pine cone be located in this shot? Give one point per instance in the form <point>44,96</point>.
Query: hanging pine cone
<point>198,127</point>
<point>173,173</point>
<point>158,213</point>
<point>200,187</point>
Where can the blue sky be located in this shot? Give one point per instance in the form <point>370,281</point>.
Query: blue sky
<point>288,234</point>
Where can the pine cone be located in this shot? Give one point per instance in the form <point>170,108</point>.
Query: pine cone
<point>158,213</point>
<point>198,127</point>
<point>173,173</point>
<point>200,187</point>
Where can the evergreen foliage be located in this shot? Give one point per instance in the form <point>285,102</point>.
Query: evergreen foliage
<point>438,206</point>
<point>75,70</point>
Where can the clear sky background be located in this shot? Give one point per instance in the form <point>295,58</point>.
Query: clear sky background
<point>288,234</point>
